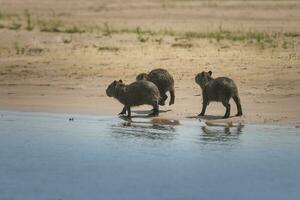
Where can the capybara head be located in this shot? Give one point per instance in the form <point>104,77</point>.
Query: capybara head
<point>111,89</point>
<point>202,78</point>
<point>142,76</point>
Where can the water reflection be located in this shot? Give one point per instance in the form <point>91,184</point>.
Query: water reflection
<point>221,134</point>
<point>155,129</point>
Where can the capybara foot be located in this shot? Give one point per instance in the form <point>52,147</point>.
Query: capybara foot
<point>154,113</point>
<point>171,102</point>
<point>239,114</point>
<point>226,116</point>
<point>122,113</point>
<point>201,114</point>
<point>161,103</point>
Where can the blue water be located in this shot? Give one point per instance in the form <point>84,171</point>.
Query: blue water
<point>46,156</point>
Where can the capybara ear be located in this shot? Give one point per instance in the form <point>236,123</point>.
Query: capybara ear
<point>115,82</point>
<point>120,81</point>
<point>210,73</point>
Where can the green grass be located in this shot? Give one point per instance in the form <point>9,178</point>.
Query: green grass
<point>51,25</point>
<point>7,16</point>
<point>67,40</point>
<point>144,35</point>
<point>29,25</point>
<point>285,44</point>
<point>182,45</point>
<point>108,48</point>
<point>231,35</point>
<point>19,50</point>
<point>107,30</point>
<point>56,26</point>
<point>73,29</point>
<point>15,26</point>
<point>292,34</point>
<point>260,38</point>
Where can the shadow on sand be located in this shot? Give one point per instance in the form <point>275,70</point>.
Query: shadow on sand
<point>147,112</point>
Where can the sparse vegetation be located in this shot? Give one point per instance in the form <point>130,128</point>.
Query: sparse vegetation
<point>15,26</point>
<point>73,29</point>
<point>263,39</point>
<point>108,48</point>
<point>140,35</point>
<point>182,45</point>
<point>292,34</point>
<point>9,16</point>
<point>67,40</point>
<point>285,44</point>
<point>51,25</point>
<point>107,30</point>
<point>56,25</point>
<point>29,25</point>
<point>158,40</point>
<point>19,50</point>
<point>100,8</point>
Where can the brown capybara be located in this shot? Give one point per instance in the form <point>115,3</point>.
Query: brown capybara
<point>219,89</point>
<point>135,94</point>
<point>163,80</point>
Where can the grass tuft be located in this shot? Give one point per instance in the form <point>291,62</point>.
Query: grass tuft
<point>182,45</point>
<point>29,25</point>
<point>292,34</point>
<point>141,34</point>
<point>107,48</point>
<point>74,29</point>
<point>51,25</point>
<point>19,50</point>
<point>15,26</point>
<point>107,30</point>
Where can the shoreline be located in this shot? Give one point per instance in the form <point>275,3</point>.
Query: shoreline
<point>160,120</point>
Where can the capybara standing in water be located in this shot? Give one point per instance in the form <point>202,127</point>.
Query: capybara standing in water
<point>163,80</point>
<point>220,89</point>
<point>135,94</point>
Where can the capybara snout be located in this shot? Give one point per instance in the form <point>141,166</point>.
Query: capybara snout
<point>202,78</point>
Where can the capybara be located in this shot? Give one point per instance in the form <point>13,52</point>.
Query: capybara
<point>220,89</point>
<point>135,94</point>
<point>163,80</point>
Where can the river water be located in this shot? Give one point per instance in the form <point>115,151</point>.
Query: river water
<point>49,156</point>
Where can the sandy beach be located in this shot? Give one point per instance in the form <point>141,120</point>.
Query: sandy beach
<point>58,56</point>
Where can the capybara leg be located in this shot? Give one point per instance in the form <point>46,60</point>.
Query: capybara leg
<point>204,105</point>
<point>155,110</point>
<point>227,106</point>
<point>238,105</point>
<point>123,112</point>
<point>163,98</point>
<point>129,112</point>
<point>172,95</point>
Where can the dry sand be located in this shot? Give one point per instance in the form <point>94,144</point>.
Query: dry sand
<point>62,72</point>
